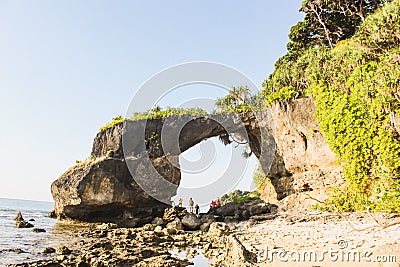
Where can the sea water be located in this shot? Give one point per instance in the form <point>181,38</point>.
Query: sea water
<point>19,245</point>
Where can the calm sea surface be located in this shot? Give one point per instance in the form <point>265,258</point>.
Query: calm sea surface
<point>12,238</point>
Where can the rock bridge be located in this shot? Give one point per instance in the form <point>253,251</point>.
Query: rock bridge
<point>144,154</point>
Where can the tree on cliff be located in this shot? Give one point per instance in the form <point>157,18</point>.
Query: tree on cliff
<point>237,100</point>
<point>326,22</point>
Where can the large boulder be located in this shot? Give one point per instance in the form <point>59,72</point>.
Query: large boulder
<point>104,190</point>
<point>191,221</point>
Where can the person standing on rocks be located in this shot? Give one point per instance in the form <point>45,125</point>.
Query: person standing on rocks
<point>180,202</point>
<point>218,202</point>
<point>197,209</point>
<point>191,204</point>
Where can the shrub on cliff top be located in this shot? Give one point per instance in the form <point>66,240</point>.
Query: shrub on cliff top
<point>156,113</point>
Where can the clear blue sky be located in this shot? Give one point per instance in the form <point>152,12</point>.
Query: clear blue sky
<point>67,67</point>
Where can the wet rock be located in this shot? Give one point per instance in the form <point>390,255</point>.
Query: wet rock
<point>191,221</point>
<point>52,214</point>
<point>218,229</point>
<point>63,250</point>
<point>38,230</point>
<point>15,250</point>
<point>19,217</point>
<point>48,250</point>
<point>31,220</point>
<point>23,224</point>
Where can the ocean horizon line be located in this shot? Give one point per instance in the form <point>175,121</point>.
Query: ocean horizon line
<point>20,199</point>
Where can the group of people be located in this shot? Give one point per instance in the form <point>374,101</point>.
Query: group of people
<point>215,204</point>
<point>196,208</point>
<point>192,208</point>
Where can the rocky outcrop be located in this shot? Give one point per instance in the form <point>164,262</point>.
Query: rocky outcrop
<point>134,170</point>
<point>104,190</point>
<point>235,212</point>
<point>303,164</point>
<point>19,217</point>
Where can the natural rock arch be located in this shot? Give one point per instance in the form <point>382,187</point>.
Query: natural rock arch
<point>105,188</point>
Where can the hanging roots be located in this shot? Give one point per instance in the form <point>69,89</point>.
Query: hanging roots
<point>225,139</point>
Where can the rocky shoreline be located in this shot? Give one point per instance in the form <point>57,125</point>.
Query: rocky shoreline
<point>249,242</point>
<point>154,244</point>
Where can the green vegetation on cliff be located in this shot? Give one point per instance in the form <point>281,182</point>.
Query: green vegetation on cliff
<point>239,196</point>
<point>156,113</point>
<point>356,86</point>
<point>237,100</point>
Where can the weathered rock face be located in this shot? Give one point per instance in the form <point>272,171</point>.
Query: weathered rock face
<point>304,163</point>
<point>130,162</point>
<point>104,190</point>
<point>134,155</point>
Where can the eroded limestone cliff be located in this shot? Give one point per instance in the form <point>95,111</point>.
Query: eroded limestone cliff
<point>134,155</point>
<point>304,165</point>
